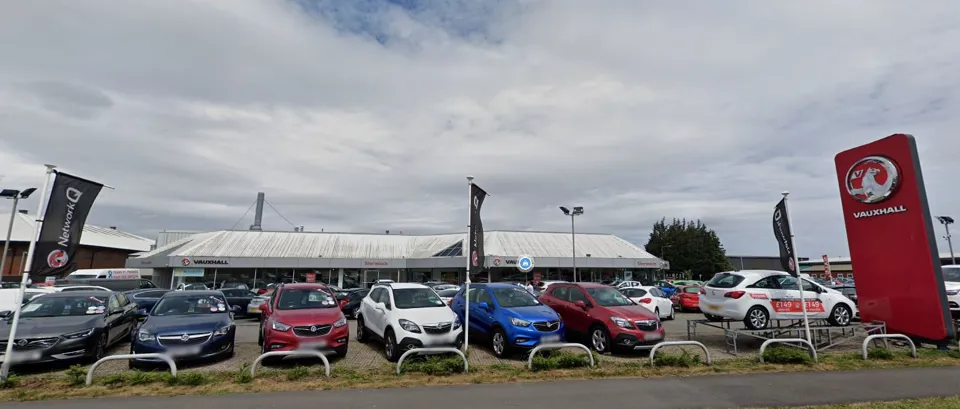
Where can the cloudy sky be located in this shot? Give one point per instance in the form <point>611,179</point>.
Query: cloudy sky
<point>365,115</point>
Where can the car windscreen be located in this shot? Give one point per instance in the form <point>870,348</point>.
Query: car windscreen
<point>305,299</point>
<point>190,305</point>
<point>609,297</point>
<point>406,298</point>
<point>514,297</point>
<point>725,280</point>
<point>64,306</point>
<point>692,290</point>
<point>450,293</point>
<point>951,274</point>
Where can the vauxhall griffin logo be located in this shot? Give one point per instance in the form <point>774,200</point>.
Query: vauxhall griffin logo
<point>57,258</point>
<point>872,180</point>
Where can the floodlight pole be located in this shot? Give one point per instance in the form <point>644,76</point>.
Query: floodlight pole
<point>6,244</point>
<point>946,225</point>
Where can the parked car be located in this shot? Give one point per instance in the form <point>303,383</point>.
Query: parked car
<point>350,302</point>
<point>667,287</point>
<point>303,315</point>
<point>254,307</point>
<point>509,317</point>
<point>77,287</point>
<point>146,299</point>
<point>69,325</point>
<point>652,299</point>
<point>406,316</point>
<point>188,326</point>
<point>607,319</point>
<point>119,285</point>
<point>687,298</point>
<point>239,299</point>
<point>758,296</point>
<point>447,294</point>
<point>951,280</point>
<point>192,287</point>
<point>629,284</point>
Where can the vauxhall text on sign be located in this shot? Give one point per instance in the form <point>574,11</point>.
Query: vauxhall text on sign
<point>891,238</point>
<point>70,202</point>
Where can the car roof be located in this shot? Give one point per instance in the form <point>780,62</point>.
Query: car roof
<point>191,293</point>
<point>305,286</point>
<point>402,286</point>
<point>591,285</point>
<point>758,274</point>
<point>502,285</point>
<point>90,293</point>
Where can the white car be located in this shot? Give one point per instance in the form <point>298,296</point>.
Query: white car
<point>407,316</point>
<point>652,299</point>
<point>79,288</point>
<point>758,296</point>
<point>253,308</point>
<point>951,280</point>
<point>629,284</point>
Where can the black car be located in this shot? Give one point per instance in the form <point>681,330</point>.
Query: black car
<point>112,284</point>
<point>238,299</point>
<point>146,298</point>
<point>70,325</point>
<point>350,301</point>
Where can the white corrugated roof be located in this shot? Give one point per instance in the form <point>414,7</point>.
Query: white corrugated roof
<point>169,236</point>
<point>24,225</point>
<point>393,246</point>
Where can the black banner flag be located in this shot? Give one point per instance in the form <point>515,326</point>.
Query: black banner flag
<point>476,228</point>
<point>782,231</point>
<point>70,201</point>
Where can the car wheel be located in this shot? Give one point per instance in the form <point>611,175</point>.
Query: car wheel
<point>260,336</point>
<point>600,339</point>
<point>101,349</point>
<point>355,313</point>
<point>340,352</point>
<point>673,314</point>
<point>263,346</point>
<point>757,318</point>
<point>499,344</point>
<point>840,316</point>
<point>390,347</point>
<point>361,331</point>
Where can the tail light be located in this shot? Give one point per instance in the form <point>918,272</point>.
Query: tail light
<point>703,290</point>
<point>735,294</point>
<point>450,303</point>
<point>645,300</point>
<point>344,302</point>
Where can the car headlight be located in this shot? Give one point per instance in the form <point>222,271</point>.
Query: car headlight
<point>79,334</point>
<point>279,326</point>
<point>222,331</point>
<point>949,292</point>
<point>519,322</point>
<point>144,336</point>
<point>340,322</point>
<point>622,322</point>
<point>456,322</point>
<point>409,326</point>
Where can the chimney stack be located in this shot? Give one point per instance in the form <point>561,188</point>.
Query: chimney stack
<point>258,216</point>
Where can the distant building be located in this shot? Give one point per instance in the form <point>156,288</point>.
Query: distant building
<point>844,266</point>
<point>758,262</point>
<point>100,247</point>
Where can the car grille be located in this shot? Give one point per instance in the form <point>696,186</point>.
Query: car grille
<point>184,339</point>
<point>312,330</point>
<point>547,326</point>
<point>438,328</point>
<point>649,325</point>
<point>26,344</point>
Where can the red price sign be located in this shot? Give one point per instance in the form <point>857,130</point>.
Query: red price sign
<point>794,306</point>
<point>311,277</point>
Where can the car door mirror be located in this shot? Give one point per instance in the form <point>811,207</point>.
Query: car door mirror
<point>581,304</point>
<point>142,313</point>
<point>483,305</point>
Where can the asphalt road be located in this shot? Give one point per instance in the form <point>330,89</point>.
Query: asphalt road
<point>720,391</point>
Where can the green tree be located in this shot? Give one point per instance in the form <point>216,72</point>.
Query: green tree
<point>689,246</point>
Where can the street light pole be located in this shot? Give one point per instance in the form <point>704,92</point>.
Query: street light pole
<point>16,195</point>
<point>947,221</point>
<point>578,210</point>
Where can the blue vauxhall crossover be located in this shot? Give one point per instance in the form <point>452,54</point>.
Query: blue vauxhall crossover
<point>187,325</point>
<point>509,317</point>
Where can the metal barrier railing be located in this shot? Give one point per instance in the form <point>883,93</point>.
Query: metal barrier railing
<point>677,344</point>
<point>301,353</point>
<point>162,357</point>
<point>866,341</point>
<point>418,351</point>
<point>541,347</point>
<point>763,347</point>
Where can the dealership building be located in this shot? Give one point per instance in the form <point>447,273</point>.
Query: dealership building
<point>355,260</point>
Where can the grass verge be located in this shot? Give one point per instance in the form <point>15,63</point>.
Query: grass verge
<point>932,403</point>
<point>442,371</point>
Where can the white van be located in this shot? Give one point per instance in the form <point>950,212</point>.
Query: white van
<point>107,273</point>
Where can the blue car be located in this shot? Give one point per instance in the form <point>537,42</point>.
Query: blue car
<point>146,298</point>
<point>509,317</point>
<point>187,325</point>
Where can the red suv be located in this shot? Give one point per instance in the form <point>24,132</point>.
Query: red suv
<point>607,318</point>
<point>303,316</point>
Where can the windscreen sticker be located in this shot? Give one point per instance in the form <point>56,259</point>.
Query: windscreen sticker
<point>31,307</point>
<point>213,309</point>
<point>328,302</point>
<point>221,308</point>
<point>96,300</point>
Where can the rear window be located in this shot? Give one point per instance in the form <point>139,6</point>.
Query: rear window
<point>725,280</point>
<point>692,290</point>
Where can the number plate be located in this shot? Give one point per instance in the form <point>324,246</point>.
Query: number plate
<point>713,307</point>
<point>653,337</point>
<point>180,352</point>
<point>550,339</point>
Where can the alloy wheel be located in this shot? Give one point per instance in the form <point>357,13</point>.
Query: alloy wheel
<point>599,340</point>
<point>498,343</point>
<point>758,319</point>
<point>101,347</point>
<point>841,316</point>
<point>388,346</point>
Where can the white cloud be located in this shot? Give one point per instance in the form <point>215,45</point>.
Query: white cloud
<point>635,110</point>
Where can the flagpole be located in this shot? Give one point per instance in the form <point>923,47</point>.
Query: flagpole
<point>466,291</point>
<point>796,267</point>
<point>8,354</point>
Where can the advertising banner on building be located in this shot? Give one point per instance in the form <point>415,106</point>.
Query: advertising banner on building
<point>891,238</point>
<point>70,202</point>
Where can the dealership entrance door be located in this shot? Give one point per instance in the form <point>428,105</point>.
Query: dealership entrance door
<point>370,277</point>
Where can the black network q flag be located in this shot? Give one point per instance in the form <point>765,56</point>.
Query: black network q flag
<point>476,228</point>
<point>784,234</point>
<point>70,202</point>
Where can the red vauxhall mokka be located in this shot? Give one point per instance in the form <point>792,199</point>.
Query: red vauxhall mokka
<point>303,316</point>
